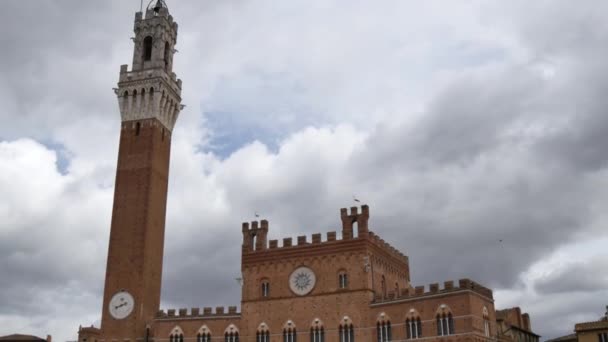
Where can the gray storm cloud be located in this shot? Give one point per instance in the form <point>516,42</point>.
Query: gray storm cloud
<point>474,132</point>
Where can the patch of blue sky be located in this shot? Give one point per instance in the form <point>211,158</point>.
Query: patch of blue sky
<point>63,156</point>
<point>262,106</point>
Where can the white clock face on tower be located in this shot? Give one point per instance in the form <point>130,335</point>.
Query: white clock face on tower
<point>302,281</point>
<point>121,305</point>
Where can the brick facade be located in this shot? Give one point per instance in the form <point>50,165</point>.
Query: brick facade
<point>362,290</point>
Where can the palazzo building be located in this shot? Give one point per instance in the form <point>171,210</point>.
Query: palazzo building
<point>351,288</point>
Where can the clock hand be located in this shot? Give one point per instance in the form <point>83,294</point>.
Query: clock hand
<point>120,306</point>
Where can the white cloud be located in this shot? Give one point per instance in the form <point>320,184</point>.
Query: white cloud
<point>460,124</point>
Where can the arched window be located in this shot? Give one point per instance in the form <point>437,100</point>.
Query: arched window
<point>265,288</point>
<point>486,322</point>
<point>317,333</point>
<point>167,54</point>
<point>203,335</point>
<point>413,328</point>
<point>231,334</point>
<point>231,337</point>
<point>346,330</point>
<point>445,324</point>
<point>383,329</point>
<point>177,335</point>
<point>289,332</point>
<point>262,334</point>
<point>148,42</point>
<point>137,128</point>
<point>342,280</point>
<point>396,290</point>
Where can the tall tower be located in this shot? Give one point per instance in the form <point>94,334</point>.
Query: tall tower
<point>149,101</point>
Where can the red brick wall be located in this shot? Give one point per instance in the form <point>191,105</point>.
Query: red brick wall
<point>135,252</point>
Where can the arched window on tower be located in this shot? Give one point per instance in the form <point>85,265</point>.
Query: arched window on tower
<point>346,331</point>
<point>265,288</point>
<point>167,54</point>
<point>383,328</point>
<point>148,42</point>
<point>317,333</point>
<point>342,280</point>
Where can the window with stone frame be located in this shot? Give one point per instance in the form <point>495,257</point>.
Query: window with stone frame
<point>383,331</point>
<point>177,335</point>
<point>262,334</point>
<point>265,286</point>
<point>290,334</point>
<point>445,324</point>
<point>231,336</point>
<point>203,337</point>
<point>147,50</point>
<point>346,332</point>
<point>342,280</point>
<point>413,328</point>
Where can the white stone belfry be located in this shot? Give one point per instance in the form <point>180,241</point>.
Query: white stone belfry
<point>151,89</point>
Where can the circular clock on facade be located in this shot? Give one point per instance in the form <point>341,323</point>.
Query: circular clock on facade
<point>121,305</point>
<point>302,281</point>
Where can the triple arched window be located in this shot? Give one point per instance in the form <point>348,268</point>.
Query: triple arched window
<point>289,335</point>
<point>317,333</point>
<point>177,335</point>
<point>346,331</point>
<point>383,330</point>
<point>232,336</point>
<point>203,337</point>
<point>413,328</point>
<point>262,334</point>
<point>445,324</point>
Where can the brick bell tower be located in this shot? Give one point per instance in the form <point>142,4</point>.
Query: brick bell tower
<point>149,98</point>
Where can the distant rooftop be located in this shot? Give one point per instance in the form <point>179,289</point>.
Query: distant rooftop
<point>20,337</point>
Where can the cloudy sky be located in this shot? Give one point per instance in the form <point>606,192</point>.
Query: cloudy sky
<point>460,123</point>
